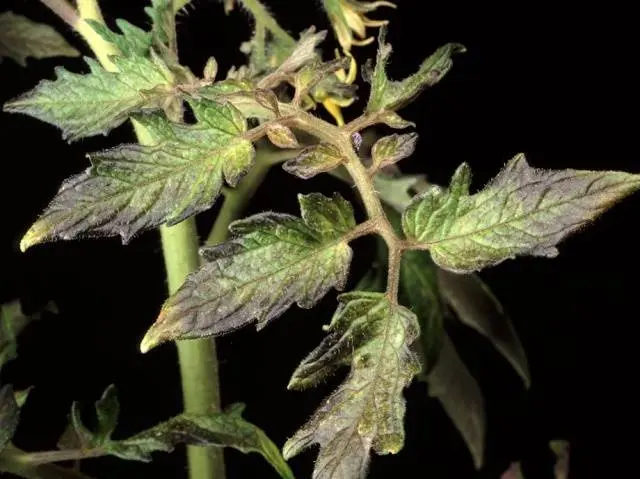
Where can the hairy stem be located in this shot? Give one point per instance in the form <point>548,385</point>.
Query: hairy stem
<point>31,466</point>
<point>263,17</point>
<point>198,361</point>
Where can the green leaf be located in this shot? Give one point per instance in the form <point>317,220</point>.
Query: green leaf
<point>12,323</point>
<point>9,415</point>
<point>394,191</point>
<point>163,29</point>
<point>523,211</point>
<point>391,149</point>
<point>94,103</point>
<point>387,94</point>
<point>420,291</point>
<point>477,307</point>
<point>273,261</point>
<point>367,410</point>
<point>227,429</point>
<point>132,41</point>
<point>453,385</point>
<point>21,38</point>
<point>313,160</point>
<point>131,188</point>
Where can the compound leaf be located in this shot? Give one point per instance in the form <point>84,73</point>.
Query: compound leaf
<point>21,38</point>
<point>453,385</point>
<point>367,410</point>
<point>132,187</point>
<point>273,261</point>
<point>387,94</point>
<point>9,415</point>
<point>226,429</point>
<point>477,307</point>
<point>522,211</point>
<point>84,105</point>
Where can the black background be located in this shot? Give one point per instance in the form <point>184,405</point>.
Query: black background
<point>538,78</point>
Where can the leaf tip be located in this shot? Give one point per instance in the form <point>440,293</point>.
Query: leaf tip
<point>31,238</point>
<point>154,337</point>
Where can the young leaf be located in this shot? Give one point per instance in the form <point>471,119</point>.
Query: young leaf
<point>226,429</point>
<point>523,211</point>
<point>94,103</point>
<point>419,290</point>
<point>9,415</point>
<point>367,410</point>
<point>273,261</point>
<point>282,136</point>
<point>451,382</point>
<point>477,307</point>
<point>387,94</point>
<point>131,187</point>
<point>131,42</point>
<point>391,149</point>
<point>313,160</point>
<point>21,38</point>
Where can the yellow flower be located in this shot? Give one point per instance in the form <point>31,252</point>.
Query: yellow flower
<point>337,93</point>
<point>348,17</point>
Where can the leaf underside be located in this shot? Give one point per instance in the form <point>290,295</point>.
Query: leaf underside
<point>366,412</point>
<point>132,188</point>
<point>21,38</point>
<point>273,261</point>
<point>522,211</point>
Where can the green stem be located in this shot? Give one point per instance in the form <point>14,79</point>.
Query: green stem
<point>262,16</point>
<point>19,463</point>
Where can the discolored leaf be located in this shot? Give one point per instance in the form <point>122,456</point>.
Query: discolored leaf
<point>282,136</point>
<point>226,429</point>
<point>561,450</point>
<point>210,70</point>
<point>477,307</point>
<point>395,121</point>
<point>131,187</point>
<point>21,38</point>
<point>9,415</point>
<point>314,72</point>
<point>366,412</point>
<point>272,261</point>
<point>391,149</point>
<point>387,94</point>
<point>453,385</point>
<point>522,211</point>
<point>313,160</point>
<point>96,102</point>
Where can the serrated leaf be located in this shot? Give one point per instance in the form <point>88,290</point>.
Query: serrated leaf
<point>420,291</point>
<point>21,38</point>
<point>391,149</point>
<point>367,410</point>
<point>477,307</point>
<point>163,27</point>
<point>131,42</point>
<point>9,415</point>
<point>84,105</point>
<point>225,429</point>
<point>313,160</point>
<point>132,188</point>
<point>522,211</point>
<point>453,385</point>
<point>282,136</point>
<point>272,261</point>
<point>387,94</point>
